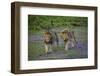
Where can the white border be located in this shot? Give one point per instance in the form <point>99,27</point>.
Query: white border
<point>25,64</point>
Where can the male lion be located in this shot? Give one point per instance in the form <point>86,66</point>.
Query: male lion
<point>68,38</point>
<point>49,38</point>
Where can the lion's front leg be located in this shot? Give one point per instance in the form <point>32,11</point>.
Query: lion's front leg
<point>46,48</point>
<point>50,48</point>
<point>67,45</point>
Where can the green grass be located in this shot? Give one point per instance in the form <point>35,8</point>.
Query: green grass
<point>72,53</point>
<point>35,49</point>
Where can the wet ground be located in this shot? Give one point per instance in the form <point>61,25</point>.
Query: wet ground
<point>79,51</point>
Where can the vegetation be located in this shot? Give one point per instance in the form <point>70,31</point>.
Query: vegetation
<point>39,22</point>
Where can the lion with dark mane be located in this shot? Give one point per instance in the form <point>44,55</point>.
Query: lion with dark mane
<point>49,38</point>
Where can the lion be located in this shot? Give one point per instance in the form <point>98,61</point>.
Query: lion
<point>68,38</point>
<point>49,38</point>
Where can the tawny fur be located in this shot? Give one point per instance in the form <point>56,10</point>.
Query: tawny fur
<point>48,41</point>
<point>68,38</point>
